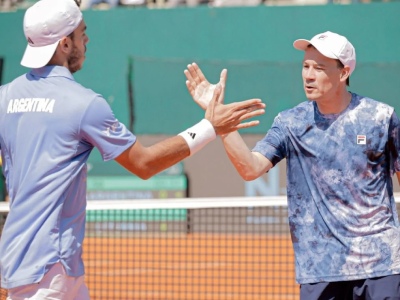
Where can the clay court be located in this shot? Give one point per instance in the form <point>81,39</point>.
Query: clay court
<point>191,267</point>
<point>178,254</point>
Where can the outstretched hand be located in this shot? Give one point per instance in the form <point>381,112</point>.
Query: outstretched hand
<point>229,117</point>
<point>210,97</point>
<point>198,86</point>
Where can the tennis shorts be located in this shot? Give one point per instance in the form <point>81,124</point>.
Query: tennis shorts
<point>55,285</point>
<point>379,288</point>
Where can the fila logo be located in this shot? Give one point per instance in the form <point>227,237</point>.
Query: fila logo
<point>361,140</point>
<point>322,37</point>
<point>30,41</point>
<point>192,134</point>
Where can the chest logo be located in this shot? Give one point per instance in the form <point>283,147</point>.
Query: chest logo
<point>361,139</point>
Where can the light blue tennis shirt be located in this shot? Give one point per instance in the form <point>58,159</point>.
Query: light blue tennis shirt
<point>342,214</point>
<point>49,124</point>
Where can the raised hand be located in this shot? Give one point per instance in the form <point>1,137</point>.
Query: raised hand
<point>199,88</point>
<point>227,118</point>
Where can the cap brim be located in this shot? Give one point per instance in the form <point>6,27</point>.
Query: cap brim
<point>37,57</point>
<point>302,44</point>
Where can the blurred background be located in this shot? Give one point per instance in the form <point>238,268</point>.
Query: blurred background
<point>138,50</point>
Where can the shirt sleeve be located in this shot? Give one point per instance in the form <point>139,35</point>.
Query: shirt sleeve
<point>394,143</point>
<point>273,145</point>
<point>100,128</point>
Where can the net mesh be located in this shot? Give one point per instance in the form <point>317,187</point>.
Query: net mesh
<point>181,249</point>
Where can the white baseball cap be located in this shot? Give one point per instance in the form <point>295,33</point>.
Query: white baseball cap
<point>331,45</point>
<point>45,24</point>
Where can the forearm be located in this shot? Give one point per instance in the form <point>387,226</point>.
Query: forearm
<point>146,162</point>
<point>248,164</point>
<point>165,154</point>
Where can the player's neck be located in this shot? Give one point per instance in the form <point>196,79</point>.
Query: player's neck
<point>335,104</point>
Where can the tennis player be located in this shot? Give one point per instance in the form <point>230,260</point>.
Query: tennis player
<point>49,125</point>
<point>341,151</point>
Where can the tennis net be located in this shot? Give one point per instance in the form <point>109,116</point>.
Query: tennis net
<point>188,249</point>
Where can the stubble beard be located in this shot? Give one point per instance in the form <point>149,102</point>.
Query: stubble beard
<point>74,60</point>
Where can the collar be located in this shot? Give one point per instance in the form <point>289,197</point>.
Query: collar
<point>52,71</point>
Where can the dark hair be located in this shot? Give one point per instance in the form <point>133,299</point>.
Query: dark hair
<point>341,66</point>
<point>78,3</point>
<point>71,35</point>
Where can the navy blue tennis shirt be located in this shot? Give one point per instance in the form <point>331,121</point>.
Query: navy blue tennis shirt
<point>49,124</point>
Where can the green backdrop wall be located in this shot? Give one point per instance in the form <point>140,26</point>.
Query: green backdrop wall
<point>253,43</point>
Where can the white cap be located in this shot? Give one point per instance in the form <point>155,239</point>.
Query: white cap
<point>45,24</point>
<point>331,45</point>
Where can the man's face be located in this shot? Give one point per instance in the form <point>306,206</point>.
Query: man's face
<point>321,75</point>
<point>77,55</point>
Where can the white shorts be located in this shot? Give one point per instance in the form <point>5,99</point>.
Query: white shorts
<point>55,285</point>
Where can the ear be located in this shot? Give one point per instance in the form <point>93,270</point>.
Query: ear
<point>345,73</point>
<point>65,45</point>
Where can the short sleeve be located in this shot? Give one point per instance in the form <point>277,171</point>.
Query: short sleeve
<point>394,143</point>
<point>273,145</point>
<point>100,128</point>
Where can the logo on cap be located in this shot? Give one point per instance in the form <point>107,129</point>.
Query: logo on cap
<point>322,37</point>
<point>30,41</point>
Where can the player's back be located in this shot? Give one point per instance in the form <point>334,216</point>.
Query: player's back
<point>44,160</point>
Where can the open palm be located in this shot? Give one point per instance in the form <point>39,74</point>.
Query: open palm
<point>200,88</point>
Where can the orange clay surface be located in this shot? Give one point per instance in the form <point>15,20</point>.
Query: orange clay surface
<point>190,267</point>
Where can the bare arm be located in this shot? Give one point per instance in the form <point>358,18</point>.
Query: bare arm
<point>148,161</point>
<point>398,177</point>
<point>250,165</point>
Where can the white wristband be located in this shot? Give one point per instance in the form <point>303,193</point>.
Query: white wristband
<point>199,135</point>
